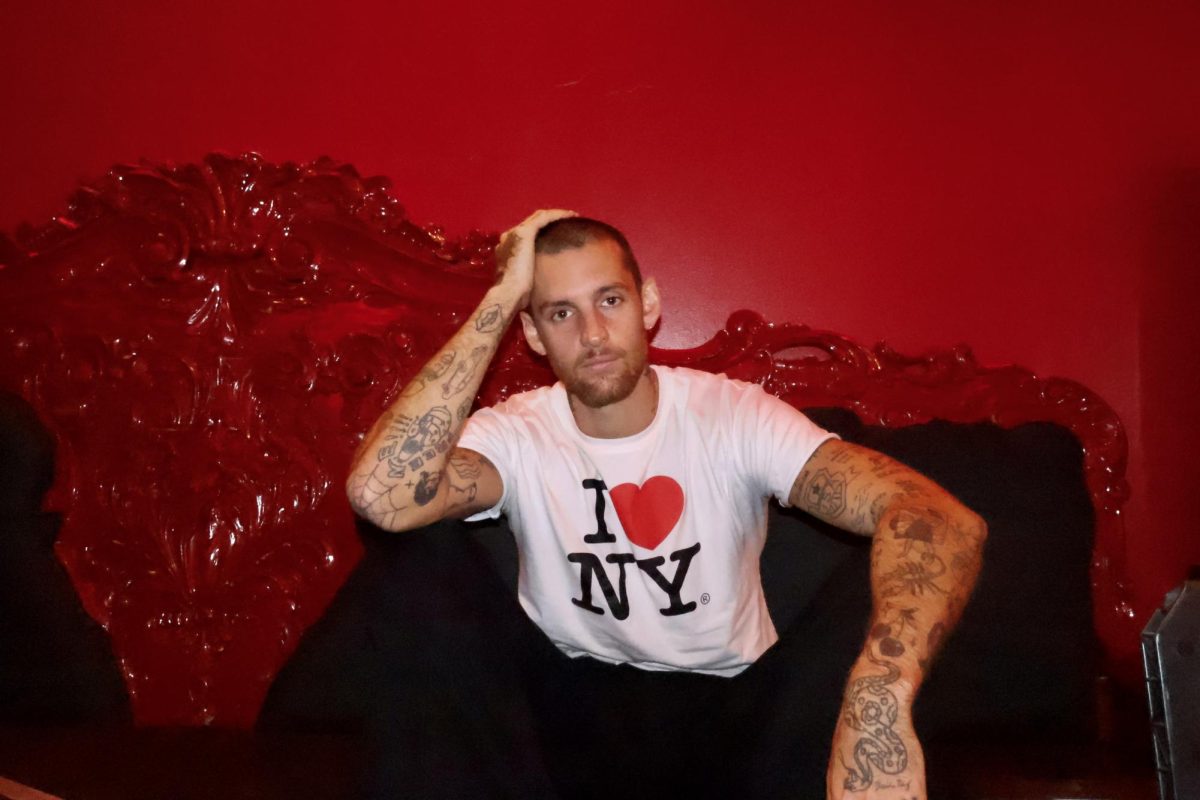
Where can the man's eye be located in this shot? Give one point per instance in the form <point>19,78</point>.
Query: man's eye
<point>611,300</point>
<point>559,315</point>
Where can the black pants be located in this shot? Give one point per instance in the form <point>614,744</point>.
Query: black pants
<point>477,703</point>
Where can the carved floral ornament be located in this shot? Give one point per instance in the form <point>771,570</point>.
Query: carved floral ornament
<point>208,341</point>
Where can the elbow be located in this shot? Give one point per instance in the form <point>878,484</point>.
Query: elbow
<point>368,508</point>
<point>380,510</point>
<point>977,525</point>
<point>969,525</point>
<point>973,529</point>
<point>359,503</point>
<point>354,495</point>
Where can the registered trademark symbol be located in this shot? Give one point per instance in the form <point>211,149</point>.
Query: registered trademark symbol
<point>704,598</point>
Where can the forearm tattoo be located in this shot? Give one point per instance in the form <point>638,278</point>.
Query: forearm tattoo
<point>409,467</point>
<point>925,558</point>
<point>465,372</point>
<point>490,319</point>
<point>426,488</point>
<point>871,709</point>
<point>410,443</point>
<point>431,372</point>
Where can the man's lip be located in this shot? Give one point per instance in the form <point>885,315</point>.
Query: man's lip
<point>600,361</point>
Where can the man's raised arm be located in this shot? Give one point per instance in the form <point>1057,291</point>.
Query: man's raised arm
<point>925,558</point>
<point>407,472</point>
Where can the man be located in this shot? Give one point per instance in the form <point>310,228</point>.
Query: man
<point>638,495</point>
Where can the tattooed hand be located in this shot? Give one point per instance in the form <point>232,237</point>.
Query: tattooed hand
<point>514,254</point>
<point>876,755</point>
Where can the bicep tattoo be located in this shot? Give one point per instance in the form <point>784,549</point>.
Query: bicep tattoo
<point>464,472</point>
<point>824,492</point>
<point>851,486</point>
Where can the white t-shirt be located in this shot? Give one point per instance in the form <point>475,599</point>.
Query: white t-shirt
<point>645,549</point>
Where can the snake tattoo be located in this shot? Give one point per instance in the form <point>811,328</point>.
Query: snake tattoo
<point>872,710</point>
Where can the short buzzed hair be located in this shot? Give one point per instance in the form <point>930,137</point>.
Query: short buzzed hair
<point>572,232</point>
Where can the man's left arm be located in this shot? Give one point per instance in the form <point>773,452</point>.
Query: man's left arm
<point>925,557</point>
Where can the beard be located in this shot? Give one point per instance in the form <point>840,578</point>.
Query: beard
<point>612,386</point>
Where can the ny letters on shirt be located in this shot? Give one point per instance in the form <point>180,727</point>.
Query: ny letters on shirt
<point>647,513</point>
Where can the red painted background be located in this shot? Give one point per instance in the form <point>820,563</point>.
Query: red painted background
<point>1022,179</point>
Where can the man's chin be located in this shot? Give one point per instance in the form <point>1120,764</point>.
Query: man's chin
<point>598,394</point>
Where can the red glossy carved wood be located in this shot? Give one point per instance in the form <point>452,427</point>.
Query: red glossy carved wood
<point>208,342</point>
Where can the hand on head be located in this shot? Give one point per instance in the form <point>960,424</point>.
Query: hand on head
<point>514,254</point>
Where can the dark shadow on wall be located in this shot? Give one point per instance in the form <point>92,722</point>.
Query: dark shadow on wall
<point>56,663</point>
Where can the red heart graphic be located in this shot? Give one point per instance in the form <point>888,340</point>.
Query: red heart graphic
<point>648,513</point>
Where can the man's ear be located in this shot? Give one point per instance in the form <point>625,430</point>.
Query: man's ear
<point>531,334</point>
<point>651,303</point>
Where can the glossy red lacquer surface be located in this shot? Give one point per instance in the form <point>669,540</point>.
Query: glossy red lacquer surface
<point>208,342</point>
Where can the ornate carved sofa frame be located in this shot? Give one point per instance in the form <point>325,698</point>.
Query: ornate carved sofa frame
<point>207,342</point>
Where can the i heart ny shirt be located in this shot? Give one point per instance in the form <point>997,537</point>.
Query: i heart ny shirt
<point>645,549</point>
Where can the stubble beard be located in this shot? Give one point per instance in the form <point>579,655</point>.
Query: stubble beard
<point>602,390</point>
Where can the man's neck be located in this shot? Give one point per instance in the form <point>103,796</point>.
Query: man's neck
<point>622,418</point>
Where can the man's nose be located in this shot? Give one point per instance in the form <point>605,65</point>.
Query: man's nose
<point>594,332</point>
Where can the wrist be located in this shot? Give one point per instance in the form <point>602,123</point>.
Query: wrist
<point>510,296</point>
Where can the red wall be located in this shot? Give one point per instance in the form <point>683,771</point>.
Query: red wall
<point>1019,178</point>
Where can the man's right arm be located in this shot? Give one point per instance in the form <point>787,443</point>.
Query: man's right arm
<point>407,473</point>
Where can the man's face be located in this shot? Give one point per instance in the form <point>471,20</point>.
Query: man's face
<point>588,318</point>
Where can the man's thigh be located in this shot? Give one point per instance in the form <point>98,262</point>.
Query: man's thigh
<point>619,731</point>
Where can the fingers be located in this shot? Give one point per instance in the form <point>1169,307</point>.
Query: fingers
<point>539,219</point>
<point>545,216</point>
<point>514,253</point>
<point>527,230</point>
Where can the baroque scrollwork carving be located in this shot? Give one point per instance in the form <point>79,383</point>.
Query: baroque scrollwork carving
<point>208,341</point>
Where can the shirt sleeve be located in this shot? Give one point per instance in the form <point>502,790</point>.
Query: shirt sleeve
<point>487,434</point>
<point>777,440</point>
